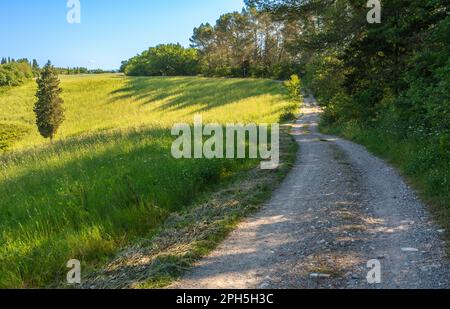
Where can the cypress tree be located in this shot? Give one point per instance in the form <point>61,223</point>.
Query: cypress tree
<point>48,108</point>
<point>35,67</point>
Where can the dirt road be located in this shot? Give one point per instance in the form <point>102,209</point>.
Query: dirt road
<point>338,209</point>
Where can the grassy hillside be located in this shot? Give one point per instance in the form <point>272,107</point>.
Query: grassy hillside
<point>114,101</point>
<point>109,179</point>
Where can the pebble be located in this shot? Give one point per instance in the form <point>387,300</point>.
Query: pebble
<point>319,276</point>
<point>410,250</point>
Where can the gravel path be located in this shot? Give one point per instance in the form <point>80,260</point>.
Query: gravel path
<point>339,208</point>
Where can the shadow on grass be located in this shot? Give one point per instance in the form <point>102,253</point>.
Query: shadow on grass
<point>182,92</point>
<point>87,197</point>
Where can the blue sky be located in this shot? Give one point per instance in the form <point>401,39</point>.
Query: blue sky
<point>110,30</point>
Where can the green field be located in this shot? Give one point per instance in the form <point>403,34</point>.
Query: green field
<point>109,178</point>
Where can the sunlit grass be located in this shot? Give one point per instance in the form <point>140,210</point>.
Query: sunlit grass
<point>109,178</point>
<point>114,101</point>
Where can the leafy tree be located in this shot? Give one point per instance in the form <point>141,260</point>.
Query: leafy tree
<point>123,66</point>
<point>15,73</point>
<point>249,43</point>
<point>164,60</point>
<point>294,86</point>
<point>48,108</point>
<point>203,37</point>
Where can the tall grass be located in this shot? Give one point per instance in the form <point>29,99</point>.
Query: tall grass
<point>111,101</point>
<point>110,178</point>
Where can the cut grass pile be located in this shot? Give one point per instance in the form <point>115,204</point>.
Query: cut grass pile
<point>164,256</point>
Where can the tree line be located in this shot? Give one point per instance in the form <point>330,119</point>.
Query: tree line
<point>81,70</point>
<point>241,44</point>
<point>393,74</point>
<point>249,43</point>
<point>359,71</point>
<point>16,72</point>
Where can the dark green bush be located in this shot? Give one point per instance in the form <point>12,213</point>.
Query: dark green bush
<point>10,133</point>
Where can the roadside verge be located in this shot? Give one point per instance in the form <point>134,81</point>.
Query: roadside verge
<point>188,236</point>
